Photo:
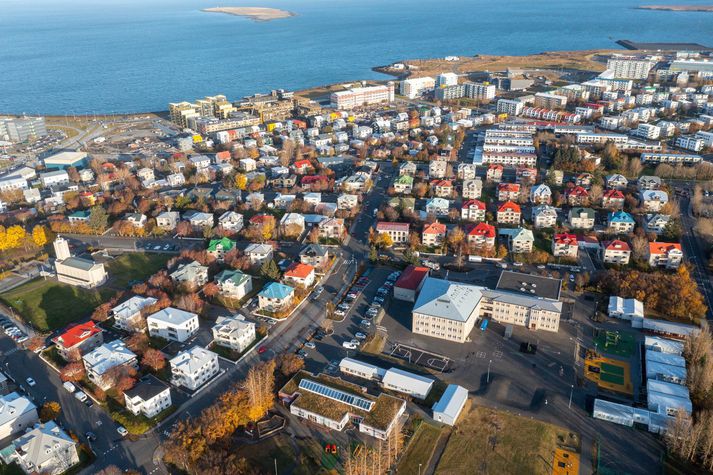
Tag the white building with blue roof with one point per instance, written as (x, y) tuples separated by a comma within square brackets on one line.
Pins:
[(449, 407), (275, 297)]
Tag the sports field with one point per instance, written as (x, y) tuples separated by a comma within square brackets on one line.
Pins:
[(608, 373), (618, 343)]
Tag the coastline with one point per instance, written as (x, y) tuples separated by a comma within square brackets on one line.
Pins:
[(254, 13), (677, 8)]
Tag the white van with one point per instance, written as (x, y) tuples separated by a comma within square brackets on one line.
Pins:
[(69, 386), (80, 395)]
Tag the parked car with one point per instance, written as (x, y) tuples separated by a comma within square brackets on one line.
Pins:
[(350, 346), (360, 336), (122, 431), (310, 345), (317, 292), (339, 312), (261, 350), (81, 396), (90, 436), (69, 386), (365, 323), (30, 382)]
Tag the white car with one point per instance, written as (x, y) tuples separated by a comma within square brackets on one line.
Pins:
[(30, 382), (69, 386), (365, 323), (122, 431), (310, 345), (80, 395), (360, 336), (349, 345)]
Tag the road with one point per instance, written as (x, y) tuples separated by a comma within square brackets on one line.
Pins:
[(285, 336)]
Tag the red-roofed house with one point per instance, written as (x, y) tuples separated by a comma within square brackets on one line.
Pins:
[(613, 199), (494, 173), (665, 254), (565, 245), (302, 166), (433, 234), (577, 196), (314, 182), (410, 282), (473, 210), (509, 213), (398, 232), (78, 340), (442, 188), (299, 274), (508, 191), (222, 157), (482, 235), (615, 252)]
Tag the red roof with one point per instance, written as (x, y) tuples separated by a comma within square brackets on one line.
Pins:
[(435, 228), (509, 205), (224, 155), (495, 166), (299, 271), (478, 204), (616, 245), (441, 183), (412, 277), (483, 229), (259, 218), (77, 334), (663, 247), (313, 179), (613, 195), (387, 226), (577, 191), (512, 187), (302, 164), (564, 238)]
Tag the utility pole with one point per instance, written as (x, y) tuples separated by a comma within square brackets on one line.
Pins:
[(275, 466), (488, 378), (570, 397)]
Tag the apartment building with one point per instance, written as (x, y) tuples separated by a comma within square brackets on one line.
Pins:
[(692, 143), (234, 332), (193, 368), (398, 232), (99, 362), (510, 107), (581, 218), (434, 234), (615, 252), (127, 315), (544, 216), (149, 397), (671, 158), (172, 324), (415, 87), (548, 100), (482, 235), (509, 213), (565, 245), (620, 222), (362, 96), (472, 189), (664, 254), (22, 129), (629, 67), (78, 340)]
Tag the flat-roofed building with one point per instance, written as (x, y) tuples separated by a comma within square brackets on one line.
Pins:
[(405, 382), (450, 405), (66, 159), (361, 369)]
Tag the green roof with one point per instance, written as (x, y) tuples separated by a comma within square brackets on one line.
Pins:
[(225, 243), (235, 276)]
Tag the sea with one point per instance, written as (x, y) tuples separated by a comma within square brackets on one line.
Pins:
[(111, 56)]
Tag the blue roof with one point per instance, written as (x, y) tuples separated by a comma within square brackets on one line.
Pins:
[(452, 400), (620, 217), (275, 290)]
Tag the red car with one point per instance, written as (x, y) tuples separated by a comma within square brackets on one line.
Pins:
[(261, 350)]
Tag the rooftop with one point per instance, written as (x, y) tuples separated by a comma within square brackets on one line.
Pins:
[(545, 287), (445, 299), (77, 334)]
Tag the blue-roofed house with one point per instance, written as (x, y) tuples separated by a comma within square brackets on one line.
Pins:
[(275, 297), (620, 222), (449, 407)]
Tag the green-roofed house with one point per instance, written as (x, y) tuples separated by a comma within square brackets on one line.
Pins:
[(77, 217), (234, 284), (403, 184), (219, 247)]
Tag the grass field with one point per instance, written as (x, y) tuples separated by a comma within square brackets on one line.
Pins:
[(134, 266), (304, 459), (624, 346), (493, 442), (420, 449), (49, 305)]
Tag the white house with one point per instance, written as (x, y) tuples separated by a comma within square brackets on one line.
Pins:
[(149, 397), (168, 219), (127, 315), (234, 284), (234, 332), (450, 405), (626, 309), (258, 253), (46, 450), (17, 413), (231, 221), (172, 324), (106, 357), (193, 368), (191, 273)]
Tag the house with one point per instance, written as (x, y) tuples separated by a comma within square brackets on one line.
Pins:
[(664, 254), (312, 199), (450, 405), (355, 183), (540, 194), (231, 221), (509, 213), (199, 220), (258, 253), (218, 248), (520, 240), (347, 201), (255, 200), (168, 220), (284, 180), (620, 222), (201, 162), (333, 403), (128, 315), (315, 182), (46, 450), (332, 228), (577, 196), (565, 245), (653, 200), (581, 218), (482, 235), (473, 210), (300, 275), (100, 363), (302, 167), (407, 168), (437, 207), (292, 221), (442, 188), (434, 234), (247, 164), (437, 168), (544, 216), (149, 397), (508, 191), (78, 340), (615, 252), (656, 223), (193, 368), (648, 182), (79, 217), (234, 284), (17, 413), (617, 182), (234, 332), (494, 173), (525, 175), (626, 309), (172, 324), (314, 255), (472, 189), (584, 180), (192, 274), (410, 282), (275, 297), (398, 232), (613, 199), (403, 184), (466, 171), (137, 220), (176, 180)]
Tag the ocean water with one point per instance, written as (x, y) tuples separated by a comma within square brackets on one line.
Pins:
[(87, 56)]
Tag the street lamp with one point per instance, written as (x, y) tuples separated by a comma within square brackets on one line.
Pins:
[(419, 469), (488, 378), (570, 397)]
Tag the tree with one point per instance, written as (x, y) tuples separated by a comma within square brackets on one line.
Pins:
[(49, 411), (241, 181), (39, 235), (73, 372), (259, 386), (328, 324), (153, 359), (290, 363), (211, 289), (270, 270), (138, 343), (384, 240), (98, 219)]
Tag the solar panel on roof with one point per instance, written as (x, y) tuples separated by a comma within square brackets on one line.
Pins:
[(337, 395)]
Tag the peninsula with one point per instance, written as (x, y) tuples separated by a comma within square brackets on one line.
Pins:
[(678, 8), (254, 13)]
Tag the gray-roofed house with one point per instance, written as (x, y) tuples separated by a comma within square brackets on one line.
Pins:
[(191, 273), (45, 449)]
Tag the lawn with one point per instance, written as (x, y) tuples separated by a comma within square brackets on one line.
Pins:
[(420, 449), (134, 266), (49, 305), (298, 457), (496, 442)]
